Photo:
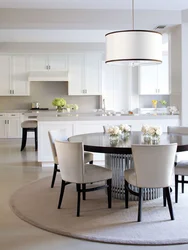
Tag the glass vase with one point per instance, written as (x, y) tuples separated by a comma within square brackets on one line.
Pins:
[(125, 135), (147, 139), (114, 139), (155, 139), (59, 109)]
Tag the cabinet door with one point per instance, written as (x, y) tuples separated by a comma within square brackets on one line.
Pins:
[(163, 77), (38, 63), (108, 85), (3, 131), (5, 75), (76, 74), (57, 62), (19, 76), (148, 76), (93, 73), (13, 128), (121, 89)]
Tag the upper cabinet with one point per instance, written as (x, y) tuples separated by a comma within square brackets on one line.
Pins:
[(5, 80), (19, 75), (48, 62), (115, 87), (13, 76), (85, 74), (154, 79)]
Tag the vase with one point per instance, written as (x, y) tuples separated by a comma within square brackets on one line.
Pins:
[(59, 109), (155, 139), (125, 135), (154, 105), (147, 138), (114, 139)]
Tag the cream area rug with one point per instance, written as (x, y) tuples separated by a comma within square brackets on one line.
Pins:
[(36, 204)]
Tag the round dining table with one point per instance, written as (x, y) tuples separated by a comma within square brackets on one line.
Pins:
[(118, 156)]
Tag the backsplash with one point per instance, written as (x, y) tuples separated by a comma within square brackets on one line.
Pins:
[(145, 101), (44, 93)]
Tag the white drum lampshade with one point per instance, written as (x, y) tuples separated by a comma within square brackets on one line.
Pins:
[(134, 47)]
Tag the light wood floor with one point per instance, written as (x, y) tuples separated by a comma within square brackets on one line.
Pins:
[(17, 169)]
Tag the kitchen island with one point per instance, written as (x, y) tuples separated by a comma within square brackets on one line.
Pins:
[(75, 123)]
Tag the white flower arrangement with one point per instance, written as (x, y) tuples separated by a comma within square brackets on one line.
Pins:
[(172, 109), (155, 131), (151, 130), (114, 130), (124, 128), (145, 129)]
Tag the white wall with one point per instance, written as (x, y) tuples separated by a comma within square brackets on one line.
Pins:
[(184, 51)]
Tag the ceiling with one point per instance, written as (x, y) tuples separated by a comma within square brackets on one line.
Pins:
[(79, 21), (96, 4)]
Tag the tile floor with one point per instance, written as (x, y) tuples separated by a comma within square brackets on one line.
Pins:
[(17, 169)]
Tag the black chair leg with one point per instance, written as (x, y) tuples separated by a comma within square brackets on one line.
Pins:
[(126, 195), (169, 203), (182, 184), (36, 139), (61, 193), (140, 204), (24, 138), (176, 188), (83, 192), (78, 199), (164, 197), (109, 191), (54, 175)]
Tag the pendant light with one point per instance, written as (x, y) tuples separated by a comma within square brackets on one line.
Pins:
[(133, 47)]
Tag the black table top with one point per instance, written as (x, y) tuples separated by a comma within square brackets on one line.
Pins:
[(100, 142)]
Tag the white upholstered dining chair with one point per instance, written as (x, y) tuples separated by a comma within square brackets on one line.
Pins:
[(153, 166), (181, 160), (73, 170), (59, 135)]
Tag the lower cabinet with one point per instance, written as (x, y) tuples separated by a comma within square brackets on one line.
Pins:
[(10, 125)]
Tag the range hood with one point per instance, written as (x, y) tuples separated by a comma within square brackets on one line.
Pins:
[(48, 76)]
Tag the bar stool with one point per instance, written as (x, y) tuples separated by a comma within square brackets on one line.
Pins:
[(28, 126)]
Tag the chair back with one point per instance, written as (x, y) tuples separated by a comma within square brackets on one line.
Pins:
[(54, 135), (177, 130), (154, 164), (71, 161)]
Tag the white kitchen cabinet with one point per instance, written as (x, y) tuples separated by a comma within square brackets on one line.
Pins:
[(5, 80), (13, 76), (76, 74), (115, 87), (10, 125), (85, 74), (154, 79), (2, 126), (48, 62), (19, 76), (93, 74)]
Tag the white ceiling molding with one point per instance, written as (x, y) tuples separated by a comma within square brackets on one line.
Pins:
[(73, 36), (82, 19), (102, 4)]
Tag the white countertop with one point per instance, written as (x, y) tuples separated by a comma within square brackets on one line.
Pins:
[(96, 117)]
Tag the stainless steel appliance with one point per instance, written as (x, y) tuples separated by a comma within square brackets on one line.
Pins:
[(35, 105)]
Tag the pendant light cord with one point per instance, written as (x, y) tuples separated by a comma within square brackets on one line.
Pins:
[(133, 14)]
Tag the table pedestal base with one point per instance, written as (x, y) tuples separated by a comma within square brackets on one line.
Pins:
[(118, 163)]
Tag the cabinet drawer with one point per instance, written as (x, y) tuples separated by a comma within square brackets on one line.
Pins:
[(2, 114)]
